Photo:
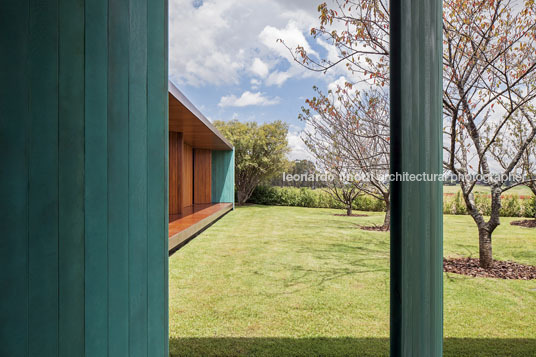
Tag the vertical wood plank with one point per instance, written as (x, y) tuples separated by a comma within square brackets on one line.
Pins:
[(71, 177), (43, 179), (96, 189), (175, 150), (157, 131), (187, 176), (202, 176), (416, 147), (137, 177), (14, 136), (118, 184)]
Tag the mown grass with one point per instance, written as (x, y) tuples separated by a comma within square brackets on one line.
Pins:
[(518, 190), (291, 281)]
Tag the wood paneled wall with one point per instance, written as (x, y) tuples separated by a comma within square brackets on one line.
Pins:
[(202, 176), (175, 172), (187, 176), (83, 198)]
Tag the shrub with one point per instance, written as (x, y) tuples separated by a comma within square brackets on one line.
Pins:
[(307, 197)]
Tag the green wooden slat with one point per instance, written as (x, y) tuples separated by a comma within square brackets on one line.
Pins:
[(137, 158), (118, 184), (96, 192), (14, 137), (222, 176), (43, 179), (157, 163), (416, 147), (71, 177)]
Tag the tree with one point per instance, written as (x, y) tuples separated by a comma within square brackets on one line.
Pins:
[(260, 152), (340, 183), (356, 125), (489, 64), (301, 168)]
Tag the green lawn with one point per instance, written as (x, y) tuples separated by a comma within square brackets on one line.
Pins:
[(289, 281), (518, 190)]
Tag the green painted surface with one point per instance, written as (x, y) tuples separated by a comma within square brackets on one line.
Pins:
[(157, 172), (223, 176), (96, 184), (14, 151), (83, 185), (416, 147), (43, 180)]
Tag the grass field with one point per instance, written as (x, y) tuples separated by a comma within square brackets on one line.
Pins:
[(518, 190), (289, 281)]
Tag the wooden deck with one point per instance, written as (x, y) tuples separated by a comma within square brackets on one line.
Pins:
[(193, 219)]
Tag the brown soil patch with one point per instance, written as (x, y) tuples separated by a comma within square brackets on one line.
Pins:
[(528, 223), (500, 269), (374, 228), (352, 215)]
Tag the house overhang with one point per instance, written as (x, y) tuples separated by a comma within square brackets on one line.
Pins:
[(196, 129)]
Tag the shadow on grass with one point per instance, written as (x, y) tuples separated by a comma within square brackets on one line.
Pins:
[(320, 346)]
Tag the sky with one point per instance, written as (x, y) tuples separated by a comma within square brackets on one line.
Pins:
[(225, 57)]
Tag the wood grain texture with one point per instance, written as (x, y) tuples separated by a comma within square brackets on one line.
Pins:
[(196, 133), (187, 176), (175, 172), (202, 176)]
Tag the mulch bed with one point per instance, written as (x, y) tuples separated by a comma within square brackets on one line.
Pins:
[(500, 269), (374, 228), (528, 223), (352, 215)]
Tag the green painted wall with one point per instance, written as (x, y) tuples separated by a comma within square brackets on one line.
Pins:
[(416, 147), (83, 178), (223, 176)]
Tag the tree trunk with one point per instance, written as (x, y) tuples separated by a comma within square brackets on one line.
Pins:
[(349, 210), (242, 197), (387, 218), (484, 245)]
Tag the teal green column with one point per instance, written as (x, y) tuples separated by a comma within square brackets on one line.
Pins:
[(416, 148), (83, 178), (223, 176)]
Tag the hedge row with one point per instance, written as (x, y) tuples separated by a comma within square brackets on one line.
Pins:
[(512, 206), (307, 197)]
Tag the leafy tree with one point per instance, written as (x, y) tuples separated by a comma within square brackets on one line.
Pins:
[(489, 65), (301, 168), (259, 152)]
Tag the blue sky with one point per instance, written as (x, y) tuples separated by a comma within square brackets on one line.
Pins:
[(224, 56)]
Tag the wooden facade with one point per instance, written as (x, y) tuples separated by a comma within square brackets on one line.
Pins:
[(201, 170), (83, 180)]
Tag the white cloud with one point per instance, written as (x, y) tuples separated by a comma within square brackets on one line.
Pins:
[(218, 42), (298, 149), (246, 99), (255, 83), (259, 68)]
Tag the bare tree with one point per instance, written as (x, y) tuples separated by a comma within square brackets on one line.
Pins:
[(357, 125), (489, 66), (322, 141)]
